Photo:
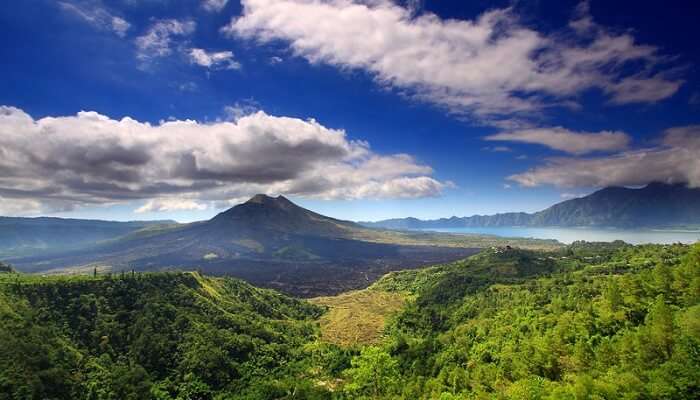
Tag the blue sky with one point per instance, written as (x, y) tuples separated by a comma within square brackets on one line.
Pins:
[(359, 110)]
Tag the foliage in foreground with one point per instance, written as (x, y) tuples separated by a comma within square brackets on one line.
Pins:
[(606, 322), (159, 336), (591, 321)]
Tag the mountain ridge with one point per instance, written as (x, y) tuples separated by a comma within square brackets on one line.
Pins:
[(656, 205)]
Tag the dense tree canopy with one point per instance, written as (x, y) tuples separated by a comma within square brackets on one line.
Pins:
[(164, 336), (599, 321), (593, 321)]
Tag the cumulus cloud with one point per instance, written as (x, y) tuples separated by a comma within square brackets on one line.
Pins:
[(170, 204), (675, 160), (214, 5), (240, 109), (213, 60), (95, 14), (158, 39), (487, 67), (19, 207), (562, 139), (90, 158)]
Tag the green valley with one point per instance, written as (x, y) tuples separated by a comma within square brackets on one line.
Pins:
[(591, 320)]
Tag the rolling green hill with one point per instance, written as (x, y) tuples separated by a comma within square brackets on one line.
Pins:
[(604, 321), (141, 336), (588, 321)]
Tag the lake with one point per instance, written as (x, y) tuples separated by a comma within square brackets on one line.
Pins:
[(568, 235)]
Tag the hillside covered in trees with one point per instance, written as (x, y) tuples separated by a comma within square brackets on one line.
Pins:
[(157, 336), (594, 321), (605, 321)]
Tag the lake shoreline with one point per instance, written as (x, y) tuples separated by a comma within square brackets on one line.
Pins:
[(568, 235)]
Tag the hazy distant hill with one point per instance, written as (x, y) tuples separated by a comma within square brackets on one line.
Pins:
[(655, 205), (31, 234)]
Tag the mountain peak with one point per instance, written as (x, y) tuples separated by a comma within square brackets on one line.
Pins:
[(265, 213), (269, 201), (263, 198), (259, 198), (262, 203)]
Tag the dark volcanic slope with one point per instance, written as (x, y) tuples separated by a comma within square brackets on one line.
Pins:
[(656, 205), (264, 213), (268, 241)]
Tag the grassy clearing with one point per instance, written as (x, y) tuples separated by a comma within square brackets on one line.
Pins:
[(358, 317)]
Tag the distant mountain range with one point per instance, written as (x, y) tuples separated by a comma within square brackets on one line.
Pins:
[(656, 205), (29, 235), (268, 241)]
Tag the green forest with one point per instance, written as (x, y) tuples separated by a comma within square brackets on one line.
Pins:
[(589, 321)]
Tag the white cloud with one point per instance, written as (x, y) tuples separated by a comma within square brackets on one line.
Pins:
[(487, 67), (90, 158), (214, 5), (392, 187), (170, 204), (94, 13), (158, 40), (213, 60), (498, 149), (562, 139), (240, 109), (674, 161), (120, 26), (568, 195), (23, 207), (642, 89)]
